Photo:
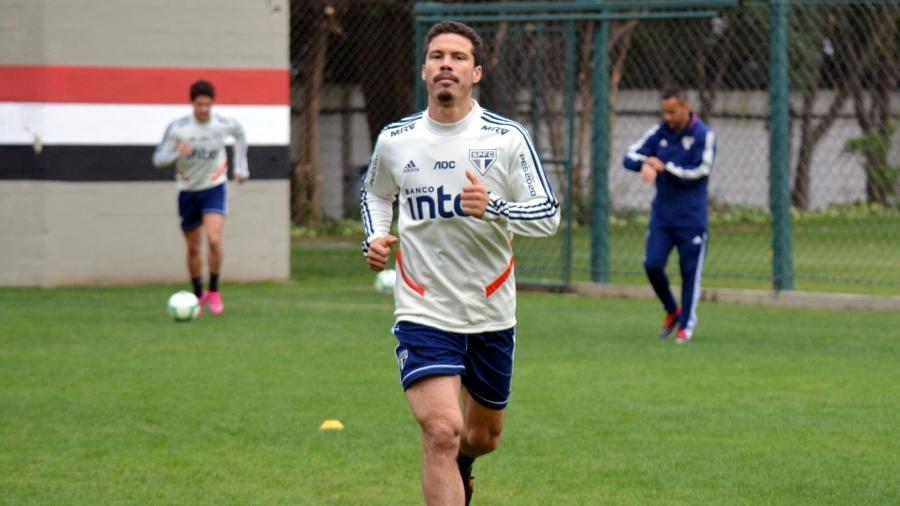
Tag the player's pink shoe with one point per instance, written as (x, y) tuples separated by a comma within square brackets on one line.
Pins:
[(215, 303), (682, 336), (202, 302)]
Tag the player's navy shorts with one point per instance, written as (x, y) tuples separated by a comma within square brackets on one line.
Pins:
[(193, 205), (484, 360)]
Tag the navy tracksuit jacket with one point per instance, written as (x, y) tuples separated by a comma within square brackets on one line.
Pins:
[(679, 216)]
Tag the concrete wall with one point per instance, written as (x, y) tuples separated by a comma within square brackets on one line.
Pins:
[(142, 33), (79, 201), (111, 233)]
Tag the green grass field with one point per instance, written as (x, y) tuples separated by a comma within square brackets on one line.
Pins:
[(104, 400), (851, 253)]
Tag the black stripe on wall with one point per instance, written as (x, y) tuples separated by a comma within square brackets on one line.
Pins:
[(120, 163)]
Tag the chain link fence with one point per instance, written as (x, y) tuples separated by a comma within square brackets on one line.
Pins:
[(844, 108), (352, 73), (354, 70)]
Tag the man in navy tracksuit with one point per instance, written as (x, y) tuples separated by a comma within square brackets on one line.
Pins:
[(677, 155)]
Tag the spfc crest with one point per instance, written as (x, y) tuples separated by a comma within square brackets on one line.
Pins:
[(482, 159)]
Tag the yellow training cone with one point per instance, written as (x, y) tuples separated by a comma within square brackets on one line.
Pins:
[(331, 425)]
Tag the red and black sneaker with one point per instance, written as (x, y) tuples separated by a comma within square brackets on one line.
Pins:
[(669, 323)]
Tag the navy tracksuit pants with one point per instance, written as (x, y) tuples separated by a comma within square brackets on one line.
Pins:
[(691, 244)]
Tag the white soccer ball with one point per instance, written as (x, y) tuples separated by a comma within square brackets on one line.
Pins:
[(385, 280), (183, 306)]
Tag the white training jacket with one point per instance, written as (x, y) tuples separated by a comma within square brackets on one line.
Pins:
[(207, 165), (455, 272)]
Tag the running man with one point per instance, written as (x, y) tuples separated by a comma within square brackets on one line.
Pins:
[(467, 180), (195, 145)]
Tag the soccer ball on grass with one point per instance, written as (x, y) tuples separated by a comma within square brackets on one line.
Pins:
[(183, 306), (384, 281)]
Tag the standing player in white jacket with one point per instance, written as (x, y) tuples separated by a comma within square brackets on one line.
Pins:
[(195, 145), (467, 180)]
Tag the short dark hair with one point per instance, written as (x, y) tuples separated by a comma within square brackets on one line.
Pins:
[(459, 29), (202, 87), (676, 93)]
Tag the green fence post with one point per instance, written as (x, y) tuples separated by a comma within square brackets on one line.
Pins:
[(571, 64), (600, 157), (780, 146)]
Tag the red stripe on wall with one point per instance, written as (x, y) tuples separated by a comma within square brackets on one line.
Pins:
[(119, 85)]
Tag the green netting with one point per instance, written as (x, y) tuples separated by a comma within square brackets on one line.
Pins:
[(355, 70)]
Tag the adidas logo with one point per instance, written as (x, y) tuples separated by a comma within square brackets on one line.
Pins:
[(410, 167)]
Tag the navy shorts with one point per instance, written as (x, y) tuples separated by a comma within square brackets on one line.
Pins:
[(484, 360), (193, 205)]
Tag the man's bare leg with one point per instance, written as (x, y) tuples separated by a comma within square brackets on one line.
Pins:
[(193, 238), (214, 223), (434, 403)]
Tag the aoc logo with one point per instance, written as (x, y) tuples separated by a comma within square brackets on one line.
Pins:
[(482, 159), (433, 205), (444, 165)]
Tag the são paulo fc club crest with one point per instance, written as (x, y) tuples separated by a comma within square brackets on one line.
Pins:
[(482, 159)]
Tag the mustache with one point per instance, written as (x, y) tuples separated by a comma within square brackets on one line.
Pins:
[(446, 75)]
